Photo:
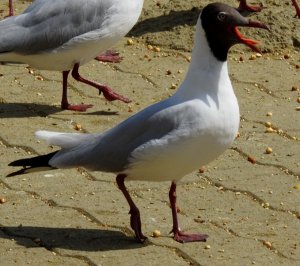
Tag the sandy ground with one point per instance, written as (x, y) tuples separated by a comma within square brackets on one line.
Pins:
[(74, 217)]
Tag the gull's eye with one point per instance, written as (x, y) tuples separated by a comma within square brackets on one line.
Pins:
[(221, 16)]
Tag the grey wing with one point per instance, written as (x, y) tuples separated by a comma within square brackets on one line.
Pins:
[(45, 24), (111, 150)]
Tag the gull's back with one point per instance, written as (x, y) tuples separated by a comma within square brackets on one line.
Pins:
[(53, 34)]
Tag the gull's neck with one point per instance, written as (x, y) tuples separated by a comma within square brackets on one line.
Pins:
[(206, 72), (202, 55)]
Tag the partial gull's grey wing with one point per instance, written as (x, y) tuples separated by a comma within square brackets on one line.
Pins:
[(45, 24), (111, 150)]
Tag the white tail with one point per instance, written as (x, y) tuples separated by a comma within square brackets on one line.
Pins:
[(63, 140)]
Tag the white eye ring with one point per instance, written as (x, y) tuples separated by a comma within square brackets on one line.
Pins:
[(221, 16)]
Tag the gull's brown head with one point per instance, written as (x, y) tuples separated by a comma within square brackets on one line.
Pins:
[(220, 23)]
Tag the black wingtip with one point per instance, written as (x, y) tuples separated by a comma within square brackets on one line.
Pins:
[(17, 163), (38, 163), (20, 172)]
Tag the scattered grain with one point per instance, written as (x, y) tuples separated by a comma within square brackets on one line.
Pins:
[(156, 233), (78, 127), (173, 86), (268, 244), (251, 159), (201, 170), (156, 49), (269, 150), (130, 42), (269, 130), (268, 124), (297, 186), (150, 47), (2, 200)]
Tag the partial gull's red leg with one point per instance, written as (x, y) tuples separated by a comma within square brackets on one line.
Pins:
[(295, 4), (11, 9), (108, 93), (64, 101), (135, 220), (109, 56), (245, 7), (179, 235)]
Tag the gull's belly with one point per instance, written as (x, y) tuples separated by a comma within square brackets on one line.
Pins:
[(173, 161), (62, 58)]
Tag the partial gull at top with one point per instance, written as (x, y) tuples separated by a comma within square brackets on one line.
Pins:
[(61, 35), (174, 137)]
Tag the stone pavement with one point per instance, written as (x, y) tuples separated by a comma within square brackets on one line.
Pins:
[(75, 217)]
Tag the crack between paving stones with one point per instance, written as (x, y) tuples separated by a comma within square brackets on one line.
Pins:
[(233, 233), (179, 253), (278, 131), (282, 168), (117, 68), (27, 149), (247, 193), (261, 87)]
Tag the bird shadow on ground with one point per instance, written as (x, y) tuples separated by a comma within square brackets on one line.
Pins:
[(20, 110), (166, 22), (70, 238)]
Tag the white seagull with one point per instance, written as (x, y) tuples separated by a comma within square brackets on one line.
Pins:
[(61, 35), (172, 138)]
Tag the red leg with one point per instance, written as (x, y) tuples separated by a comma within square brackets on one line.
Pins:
[(109, 94), (110, 56), (179, 235), (245, 7), (11, 9), (295, 4), (64, 101), (135, 220)]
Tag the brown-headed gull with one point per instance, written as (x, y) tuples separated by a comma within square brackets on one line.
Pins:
[(61, 35), (172, 138)]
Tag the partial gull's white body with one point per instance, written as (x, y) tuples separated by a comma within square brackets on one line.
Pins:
[(166, 140), (57, 34)]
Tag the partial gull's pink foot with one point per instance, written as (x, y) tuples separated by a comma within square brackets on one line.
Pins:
[(109, 56), (76, 107), (183, 237), (108, 93), (295, 4), (245, 7), (180, 236)]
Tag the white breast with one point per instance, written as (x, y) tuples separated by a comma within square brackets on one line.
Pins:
[(195, 143)]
